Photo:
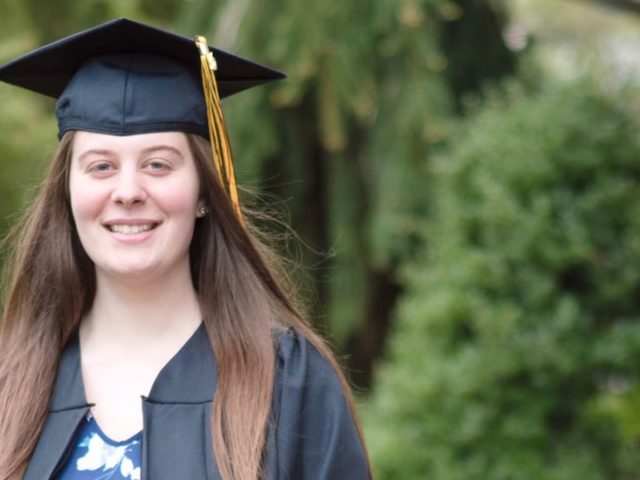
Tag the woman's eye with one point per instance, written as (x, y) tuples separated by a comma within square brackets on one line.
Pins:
[(100, 167), (157, 166)]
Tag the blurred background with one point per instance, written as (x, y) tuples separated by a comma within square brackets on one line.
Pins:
[(464, 177)]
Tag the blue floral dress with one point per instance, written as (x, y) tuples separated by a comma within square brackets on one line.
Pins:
[(97, 457)]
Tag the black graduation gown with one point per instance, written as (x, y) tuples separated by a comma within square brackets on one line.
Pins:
[(311, 435)]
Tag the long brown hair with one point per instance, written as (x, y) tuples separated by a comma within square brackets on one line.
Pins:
[(240, 289)]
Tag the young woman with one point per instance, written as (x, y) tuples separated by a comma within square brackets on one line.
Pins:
[(147, 332)]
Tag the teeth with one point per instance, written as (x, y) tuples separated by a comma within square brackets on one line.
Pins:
[(130, 229)]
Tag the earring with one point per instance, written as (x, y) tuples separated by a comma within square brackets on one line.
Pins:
[(202, 211)]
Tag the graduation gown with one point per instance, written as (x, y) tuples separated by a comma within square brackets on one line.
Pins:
[(311, 433)]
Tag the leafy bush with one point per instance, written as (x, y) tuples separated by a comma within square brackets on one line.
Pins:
[(516, 348), (27, 144)]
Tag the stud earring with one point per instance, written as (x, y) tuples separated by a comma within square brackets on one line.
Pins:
[(202, 211)]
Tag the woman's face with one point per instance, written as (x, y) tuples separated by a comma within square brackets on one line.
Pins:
[(134, 200)]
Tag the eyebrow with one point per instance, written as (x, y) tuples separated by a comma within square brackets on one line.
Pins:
[(146, 151), (94, 151), (156, 148)]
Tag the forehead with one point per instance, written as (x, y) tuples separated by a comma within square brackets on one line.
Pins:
[(86, 141)]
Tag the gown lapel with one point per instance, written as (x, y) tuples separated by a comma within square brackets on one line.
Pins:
[(177, 415), (68, 407)]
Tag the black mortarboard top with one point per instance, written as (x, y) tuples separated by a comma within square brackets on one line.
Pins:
[(124, 77)]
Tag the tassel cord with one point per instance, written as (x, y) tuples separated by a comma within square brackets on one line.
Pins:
[(223, 159)]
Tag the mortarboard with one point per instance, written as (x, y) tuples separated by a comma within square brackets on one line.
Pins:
[(123, 77)]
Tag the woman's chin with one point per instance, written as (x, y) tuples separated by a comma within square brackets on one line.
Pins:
[(130, 272)]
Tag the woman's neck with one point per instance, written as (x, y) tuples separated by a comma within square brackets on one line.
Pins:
[(129, 312)]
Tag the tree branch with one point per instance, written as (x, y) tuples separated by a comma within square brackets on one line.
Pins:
[(630, 6), (229, 23)]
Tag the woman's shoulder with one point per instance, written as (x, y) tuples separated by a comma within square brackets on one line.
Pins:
[(315, 433), (308, 381), (299, 362)]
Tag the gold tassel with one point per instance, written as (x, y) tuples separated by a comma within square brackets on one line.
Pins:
[(222, 158)]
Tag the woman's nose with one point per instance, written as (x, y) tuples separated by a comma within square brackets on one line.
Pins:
[(129, 189)]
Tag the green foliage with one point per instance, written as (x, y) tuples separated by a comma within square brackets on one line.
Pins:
[(515, 351), (28, 140), (347, 135)]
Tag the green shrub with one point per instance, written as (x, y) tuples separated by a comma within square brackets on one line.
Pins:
[(516, 349), (27, 144)]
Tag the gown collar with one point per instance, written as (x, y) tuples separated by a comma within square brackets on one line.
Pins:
[(189, 377)]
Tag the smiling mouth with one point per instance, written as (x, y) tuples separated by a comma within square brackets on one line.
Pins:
[(132, 229)]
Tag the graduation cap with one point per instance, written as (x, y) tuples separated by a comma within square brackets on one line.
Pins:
[(125, 78)]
